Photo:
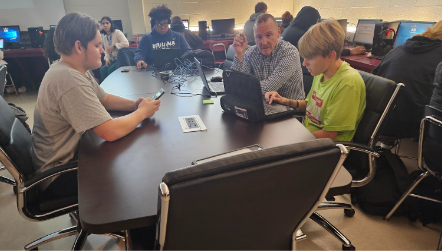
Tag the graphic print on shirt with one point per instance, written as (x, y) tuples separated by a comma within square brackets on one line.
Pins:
[(163, 45), (313, 110)]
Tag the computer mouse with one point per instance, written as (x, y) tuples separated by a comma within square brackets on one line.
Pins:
[(216, 79)]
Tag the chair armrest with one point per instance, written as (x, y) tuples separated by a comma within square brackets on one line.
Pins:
[(360, 148), (40, 177)]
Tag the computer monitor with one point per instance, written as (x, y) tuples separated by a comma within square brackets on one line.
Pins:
[(408, 29), (1, 43), (365, 31), (186, 23), (343, 24), (223, 26), (10, 35), (118, 24), (52, 26), (278, 21)]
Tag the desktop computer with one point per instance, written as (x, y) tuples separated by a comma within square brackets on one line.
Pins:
[(408, 29), (365, 32), (186, 23), (202, 30), (118, 24), (384, 34), (223, 28), (10, 36), (37, 36)]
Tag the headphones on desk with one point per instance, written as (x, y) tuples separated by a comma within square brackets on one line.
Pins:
[(383, 46)]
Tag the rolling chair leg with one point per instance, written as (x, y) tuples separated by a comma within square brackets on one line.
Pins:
[(348, 209), (81, 239), (346, 244), (12, 83), (405, 195), (7, 180), (52, 237)]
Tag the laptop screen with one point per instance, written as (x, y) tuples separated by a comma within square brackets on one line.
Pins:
[(1, 43), (201, 73), (407, 30)]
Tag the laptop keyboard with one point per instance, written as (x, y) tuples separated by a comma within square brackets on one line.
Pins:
[(269, 110), (217, 87)]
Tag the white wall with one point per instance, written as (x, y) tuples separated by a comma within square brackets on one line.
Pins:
[(136, 10), (388, 10), (115, 9), (31, 13)]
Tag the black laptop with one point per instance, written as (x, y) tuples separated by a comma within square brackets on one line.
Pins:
[(164, 59), (215, 88), (244, 98)]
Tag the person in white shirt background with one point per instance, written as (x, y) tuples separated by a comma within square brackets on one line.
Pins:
[(112, 40)]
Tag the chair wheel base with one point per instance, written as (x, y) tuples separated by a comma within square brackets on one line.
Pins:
[(349, 248), (349, 212)]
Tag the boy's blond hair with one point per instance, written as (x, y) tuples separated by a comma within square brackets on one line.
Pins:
[(322, 39)]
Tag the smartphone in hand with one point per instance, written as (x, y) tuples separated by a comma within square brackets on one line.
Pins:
[(157, 95)]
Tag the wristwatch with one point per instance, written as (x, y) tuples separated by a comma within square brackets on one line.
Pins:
[(115, 47)]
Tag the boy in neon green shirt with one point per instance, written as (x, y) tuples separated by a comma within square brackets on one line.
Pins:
[(336, 101)]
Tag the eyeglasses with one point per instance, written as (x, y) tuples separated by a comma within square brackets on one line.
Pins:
[(162, 24)]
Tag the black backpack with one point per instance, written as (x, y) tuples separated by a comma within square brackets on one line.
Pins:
[(389, 183)]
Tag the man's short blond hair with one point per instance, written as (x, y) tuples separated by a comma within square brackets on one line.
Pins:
[(322, 39)]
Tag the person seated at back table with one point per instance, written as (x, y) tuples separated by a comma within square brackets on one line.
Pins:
[(161, 37), (287, 19), (71, 102), (193, 40), (273, 61), (260, 8), (413, 63), (113, 40), (305, 18), (336, 102)]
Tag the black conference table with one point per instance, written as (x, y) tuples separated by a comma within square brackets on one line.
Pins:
[(118, 181)]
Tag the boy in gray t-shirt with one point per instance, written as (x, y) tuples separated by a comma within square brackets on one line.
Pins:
[(70, 102)]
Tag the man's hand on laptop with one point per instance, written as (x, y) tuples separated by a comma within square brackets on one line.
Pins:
[(274, 96), (240, 46), (141, 64)]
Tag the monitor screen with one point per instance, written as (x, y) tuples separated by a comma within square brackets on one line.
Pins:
[(10, 34), (365, 31), (118, 24), (1, 43), (408, 29), (343, 24), (279, 21), (186, 23), (52, 26), (223, 26)]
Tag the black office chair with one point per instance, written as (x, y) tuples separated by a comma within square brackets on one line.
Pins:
[(429, 154), (2, 80), (229, 58), (252, 201), (381, 94), (125, 57), (32, 203), (307, 78)]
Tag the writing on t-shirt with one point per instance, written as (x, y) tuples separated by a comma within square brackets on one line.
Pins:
[(313, 110), (163, 45)]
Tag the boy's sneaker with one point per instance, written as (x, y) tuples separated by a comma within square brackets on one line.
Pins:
[(9, 90), (21, 90)]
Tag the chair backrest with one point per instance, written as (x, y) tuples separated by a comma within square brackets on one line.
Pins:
[(229, 57), (125, 57), (430, 110), (2, 80), (381, 94), (252, 201), (430, 145), (15, 141)]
